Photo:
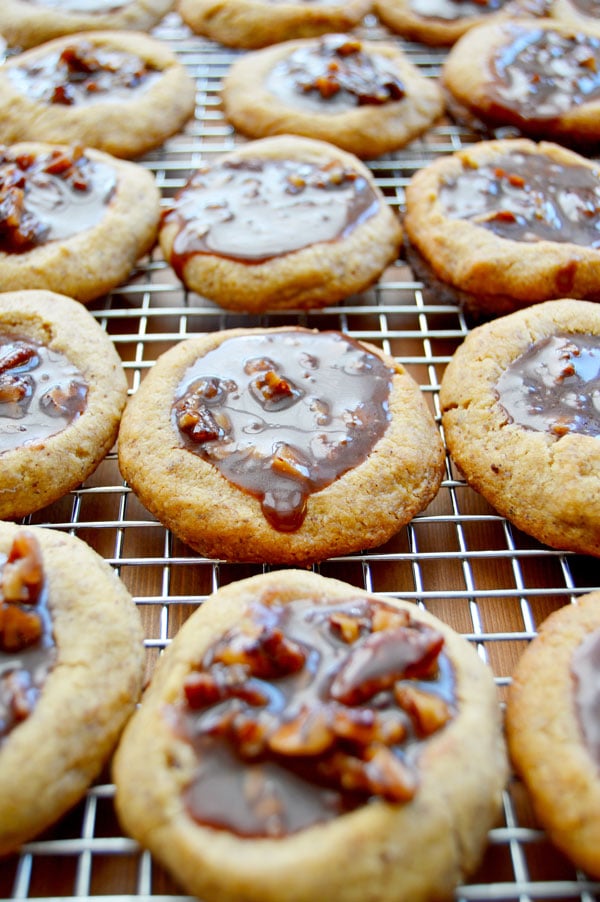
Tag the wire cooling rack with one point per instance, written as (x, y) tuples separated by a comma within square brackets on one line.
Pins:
[(458, 559)]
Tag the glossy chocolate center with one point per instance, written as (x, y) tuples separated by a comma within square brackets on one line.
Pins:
[(41, 393), (334, 74), (283, 415), (27, 649), (82, 74), (540, 74), (253, 210), (307, 710), (585, 665), (555, 386), (527, 197), (50, 196)]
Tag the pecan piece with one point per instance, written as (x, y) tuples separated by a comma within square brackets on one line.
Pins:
[(23, 574), (18, 628), (308, 734), (267, 653), (428, 712)]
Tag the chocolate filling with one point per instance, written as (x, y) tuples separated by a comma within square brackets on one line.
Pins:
[(283, 415), (585, 666), (307, 710)]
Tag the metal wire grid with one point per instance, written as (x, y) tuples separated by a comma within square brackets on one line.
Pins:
[(458, 559)]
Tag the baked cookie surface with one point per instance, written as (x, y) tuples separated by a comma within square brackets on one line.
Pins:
[(71, 656), (364, 96), (120, 92), (252, 24), (284, 446), (506, 224), (443, 22), (539, 77), (62, 391), (552, 728), (25, 23), (72, 220), (242, 815), (279, 223), (520, 421)]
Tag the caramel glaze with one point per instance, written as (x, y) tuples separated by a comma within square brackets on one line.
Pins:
[(455, 9), (83, 6), (41, 392), (334, 74), (585, 666), (527, 197), (283, 415), (27, 648), (253, 210), (82, 74), (538, 75), (308, 710), (555, 386)]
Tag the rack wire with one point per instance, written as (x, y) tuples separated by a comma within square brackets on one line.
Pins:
[(459, 558)]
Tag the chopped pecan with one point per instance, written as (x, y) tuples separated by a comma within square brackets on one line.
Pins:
[(23, 574), (309, 733), (427, 711), (19, 628), (272, 391), (267, 653)]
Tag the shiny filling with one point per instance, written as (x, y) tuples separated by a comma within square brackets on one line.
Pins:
[(41, 393), (540, 74), (81, 73), (283, 415), (527, 197), (555, 386), (309, 709), (83, 6), (334, 74), (27, 649), (588, 7), (585, 666), (454, 9), (255, 209), (50, 196)]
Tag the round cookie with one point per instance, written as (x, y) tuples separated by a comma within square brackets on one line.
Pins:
[(62, 391), (539, 77), (364, 96), (279, 223), (251, 24), (72, 220), (280, 446), (552, 728), (25, 23), (520, 419), (121, 92), (505, 224), (409, 824), (71, 656), (441, 23)]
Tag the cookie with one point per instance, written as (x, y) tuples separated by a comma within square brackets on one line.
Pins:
[(553, 728), (280, 445), (62, 391), (25, 23), (72, 220), (279, 223), (121, 92), (521, 421), (260, 768), (71, 663), (364, 96), (505, 224), (575, 11), (440, 23), (251, 24), (537, 77)]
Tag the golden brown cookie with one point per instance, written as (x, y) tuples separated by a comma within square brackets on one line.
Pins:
[(521, 419), (279, 223), (62, 391), (258, 23), (72, 220), (121, 92), (284, 446), (364, 96), (505, 224), (258, 767), (25, 23), (553, 728), (443, 22), (539, 77), (71, 663)]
